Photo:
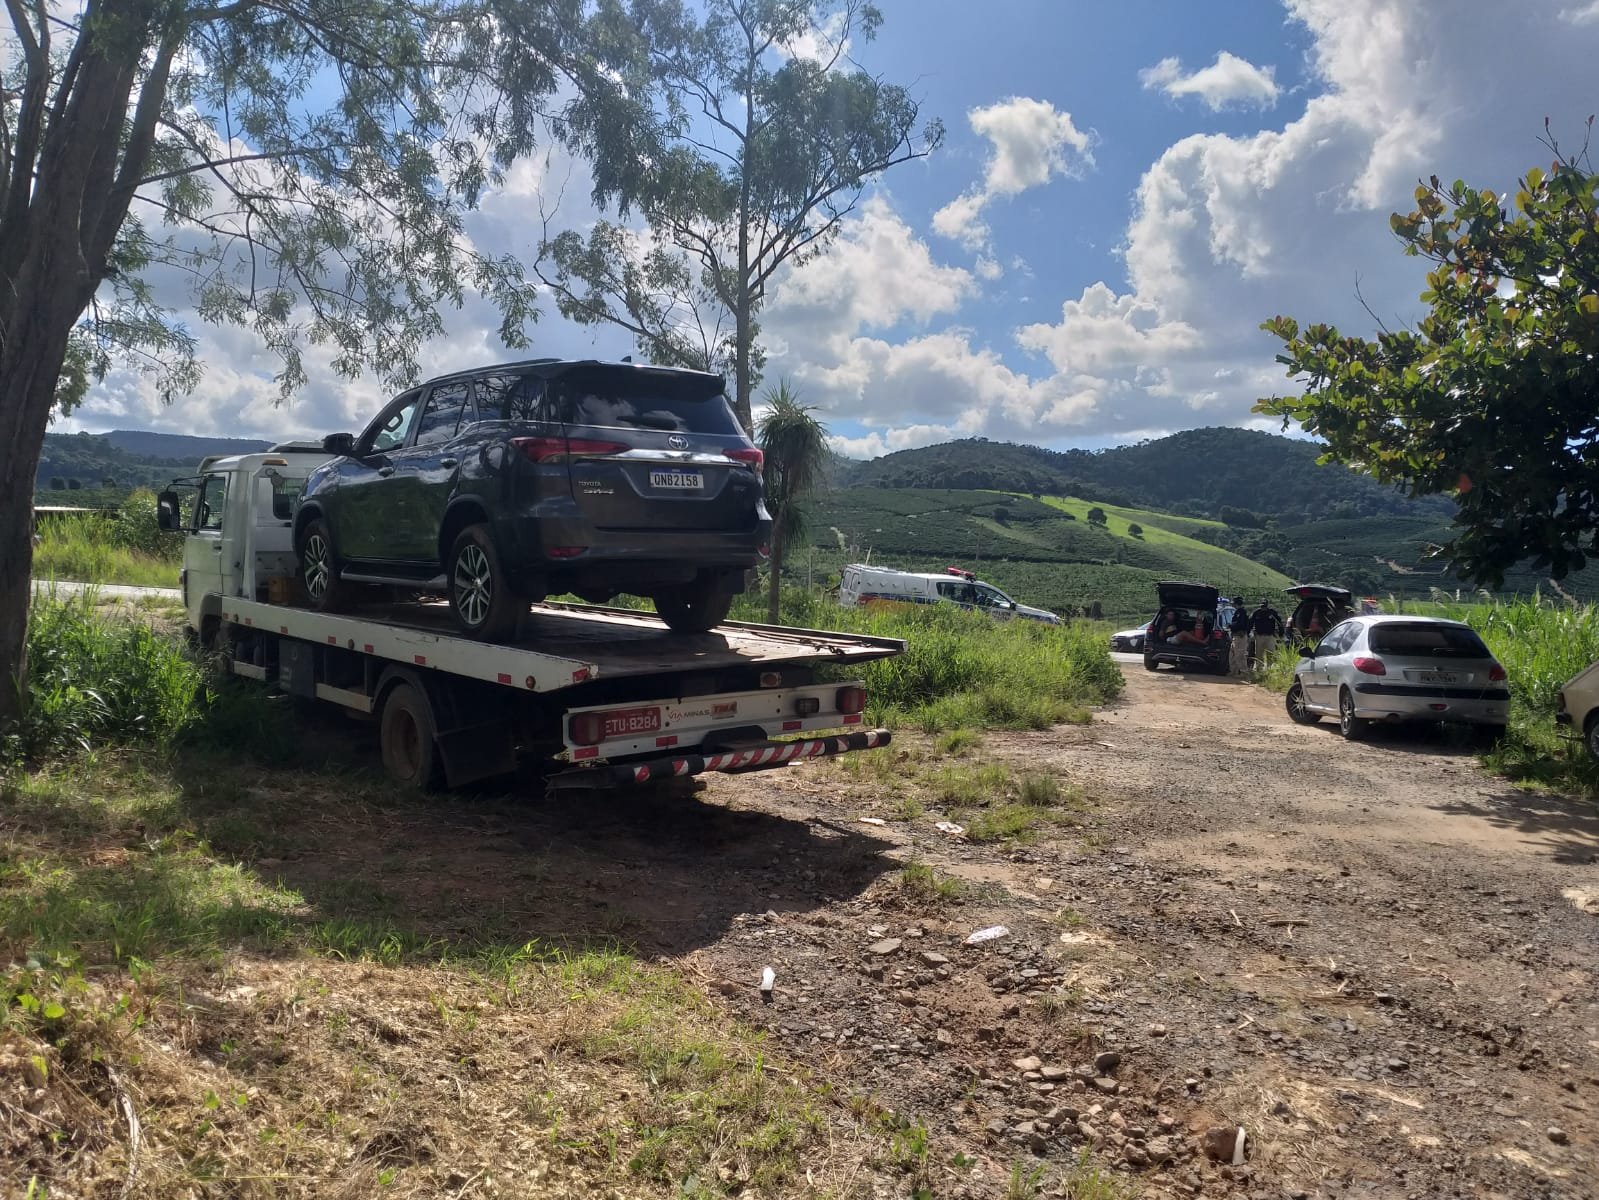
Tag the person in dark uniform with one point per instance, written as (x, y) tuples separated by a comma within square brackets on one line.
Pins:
[(1265, 627)]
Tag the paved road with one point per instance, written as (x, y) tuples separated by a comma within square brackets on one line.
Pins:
[(109, 591)]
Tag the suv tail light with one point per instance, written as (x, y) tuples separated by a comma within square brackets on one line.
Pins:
[(750, 456), (560, 449), (851, 700), (1497, 674), (1370, 666)]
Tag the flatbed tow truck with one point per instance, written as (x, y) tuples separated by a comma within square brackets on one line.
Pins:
[(594, 697)]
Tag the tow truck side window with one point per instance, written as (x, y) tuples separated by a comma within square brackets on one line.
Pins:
[(209, 503)]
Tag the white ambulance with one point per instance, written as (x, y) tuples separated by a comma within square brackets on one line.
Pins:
[(862, 584)]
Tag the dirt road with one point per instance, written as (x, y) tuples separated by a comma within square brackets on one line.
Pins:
[(1374, 959), (1377, 960)]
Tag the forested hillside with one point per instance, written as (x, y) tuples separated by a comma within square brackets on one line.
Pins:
[(1220, 473)]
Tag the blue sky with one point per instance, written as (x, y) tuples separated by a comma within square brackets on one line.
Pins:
[(1125, 192)]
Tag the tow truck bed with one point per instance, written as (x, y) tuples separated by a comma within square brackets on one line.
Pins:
[(563, 644)]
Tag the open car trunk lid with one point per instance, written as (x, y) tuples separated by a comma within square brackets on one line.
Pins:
[(1179, 594)]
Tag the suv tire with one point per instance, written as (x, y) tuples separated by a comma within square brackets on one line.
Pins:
[(1295, 703), (319, 569), (1352, 727), (485, 605), (1150, 664), (694, 607)]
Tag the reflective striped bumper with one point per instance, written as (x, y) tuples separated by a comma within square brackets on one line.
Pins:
[(680, 766)]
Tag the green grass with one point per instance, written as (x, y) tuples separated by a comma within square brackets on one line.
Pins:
[(922, 882), (963, 670), (125, 548), (101, 677)]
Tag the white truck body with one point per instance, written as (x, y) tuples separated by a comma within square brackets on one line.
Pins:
[(602, 696), (863, 584)]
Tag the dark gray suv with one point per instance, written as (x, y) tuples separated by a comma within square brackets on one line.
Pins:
[(504, 485)]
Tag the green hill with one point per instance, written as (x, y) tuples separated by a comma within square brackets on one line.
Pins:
[(1199, 472), (1042, 551)]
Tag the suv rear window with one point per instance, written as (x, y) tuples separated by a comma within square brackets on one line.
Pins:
[(633, 400), (1427, 641)]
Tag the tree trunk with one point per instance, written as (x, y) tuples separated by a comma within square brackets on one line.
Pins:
[(741, 370), (23, 419), (774, 592), (51, 275)]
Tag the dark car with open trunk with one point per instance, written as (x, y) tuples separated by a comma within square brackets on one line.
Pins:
[(1187, 632), (506, 484)]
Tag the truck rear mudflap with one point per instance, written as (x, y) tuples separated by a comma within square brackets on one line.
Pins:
[(747, 758)]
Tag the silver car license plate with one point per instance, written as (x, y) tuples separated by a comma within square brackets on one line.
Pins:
[(681, 480), (1436, 677)]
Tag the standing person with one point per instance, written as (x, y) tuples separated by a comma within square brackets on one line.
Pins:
[(1238, 649), (1266, 624)]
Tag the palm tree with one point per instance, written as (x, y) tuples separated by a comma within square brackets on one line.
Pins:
[(795, 444)]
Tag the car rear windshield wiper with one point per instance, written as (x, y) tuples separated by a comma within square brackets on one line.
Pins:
[(665, 424)]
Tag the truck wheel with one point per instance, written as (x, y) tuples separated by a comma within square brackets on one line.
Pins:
[(694, 607), (319, 569), (485, 605), (407, 737)]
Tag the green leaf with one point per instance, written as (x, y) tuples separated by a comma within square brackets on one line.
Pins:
[(1589, 305), (53, 1011)]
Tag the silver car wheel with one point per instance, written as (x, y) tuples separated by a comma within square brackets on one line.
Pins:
[(317, 567), (1348, 724), (474, 584)]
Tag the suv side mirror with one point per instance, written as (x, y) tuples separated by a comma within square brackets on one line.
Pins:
[(168, 514), (342, 444), (1307, 652)]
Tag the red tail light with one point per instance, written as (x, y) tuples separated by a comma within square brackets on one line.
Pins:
[(851, 700), (564, 551), (1497, 674), (587, 729), (748, 455), (764, 551), (1370, 666), (554, 449)]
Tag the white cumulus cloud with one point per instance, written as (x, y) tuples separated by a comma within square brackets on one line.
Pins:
[(1030, 143), (1229, 80)]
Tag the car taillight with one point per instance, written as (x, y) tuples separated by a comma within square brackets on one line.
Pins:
[(1370, 666), (750, 456), (552, 449), (1497, 674), (587, 729), (851, 700)]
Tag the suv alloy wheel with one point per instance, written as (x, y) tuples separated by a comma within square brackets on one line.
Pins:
[(484, 603)]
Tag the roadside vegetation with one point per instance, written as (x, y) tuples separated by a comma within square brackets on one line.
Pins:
[(964, 670), (125, 547)]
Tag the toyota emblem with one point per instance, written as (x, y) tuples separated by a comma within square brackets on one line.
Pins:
[(677, 442)]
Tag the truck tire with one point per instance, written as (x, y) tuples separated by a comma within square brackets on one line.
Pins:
[(319, 569), (484, 603), (694, 607), (407, 737)]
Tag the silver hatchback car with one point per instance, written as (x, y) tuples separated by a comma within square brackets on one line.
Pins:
[(1395, 668)]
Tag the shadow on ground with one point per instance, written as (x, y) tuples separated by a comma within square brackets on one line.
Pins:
[(661, 871), (1568, 830)]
